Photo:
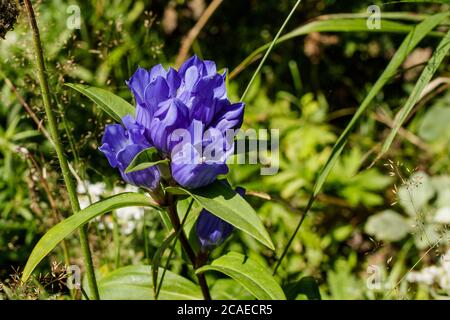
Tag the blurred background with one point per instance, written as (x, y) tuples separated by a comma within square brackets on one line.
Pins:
[(378, 232)]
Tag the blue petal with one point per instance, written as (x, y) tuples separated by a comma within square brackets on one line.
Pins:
[(171, 115), (144, 117), (147, 178), (156, 92), (137, 83), (191, 77), (210, 67), (197, 175), (114, 139), (174, 82), (135, 131), (211, 230), (229, 117), (157, 71), (120, 146), (192, 61)]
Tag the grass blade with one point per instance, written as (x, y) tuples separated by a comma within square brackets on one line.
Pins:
[(431, 68), (272, 44), (332, 23)]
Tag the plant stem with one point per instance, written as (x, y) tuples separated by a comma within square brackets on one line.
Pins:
[(116, 240), (196, 262), (172, 250), (42, 76)]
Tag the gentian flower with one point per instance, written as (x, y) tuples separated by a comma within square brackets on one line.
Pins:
[(185, 113), (211, 230), (121, 144)]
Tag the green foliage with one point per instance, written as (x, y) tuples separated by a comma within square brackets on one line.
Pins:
[(335, 90), (145, 159), (69, 225), (225, 203), (135, 283), (250, 274), (113, 105)]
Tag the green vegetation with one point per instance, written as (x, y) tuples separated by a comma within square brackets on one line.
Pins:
[(358, 209)]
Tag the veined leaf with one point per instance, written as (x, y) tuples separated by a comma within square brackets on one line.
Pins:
[(145, 159), (58, 232), (135, 283), (113, 105), (226, 204), (249, 273), (433, 64)]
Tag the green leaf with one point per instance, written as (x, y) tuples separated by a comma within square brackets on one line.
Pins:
[(113, 105), (416, 193), (58, 232), (228, 289), (249, 273), (433, 64), (435, 125), (226, 204), (145, 159), (135, 283), (387, 225)]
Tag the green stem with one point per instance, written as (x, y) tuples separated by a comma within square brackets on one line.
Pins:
[(175, 220), (172, 250), (42, 75), (116, 239)]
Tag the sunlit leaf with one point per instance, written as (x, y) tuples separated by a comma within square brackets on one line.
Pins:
[(135, 283), (249, 273), (113, 105), (58, 232), (145, 159), (225, 203)]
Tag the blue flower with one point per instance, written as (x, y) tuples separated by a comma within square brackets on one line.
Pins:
[(120, 145), (211, 230), (185, 113)]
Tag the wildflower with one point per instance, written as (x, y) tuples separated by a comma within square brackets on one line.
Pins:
[(190, 102), (121, 144)]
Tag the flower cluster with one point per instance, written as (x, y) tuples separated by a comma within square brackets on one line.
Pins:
[(186, 116)]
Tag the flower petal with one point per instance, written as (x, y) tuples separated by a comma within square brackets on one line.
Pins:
[(114, 139), (137, 83)]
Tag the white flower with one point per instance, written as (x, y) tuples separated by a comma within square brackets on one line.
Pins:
[(437, 274)]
